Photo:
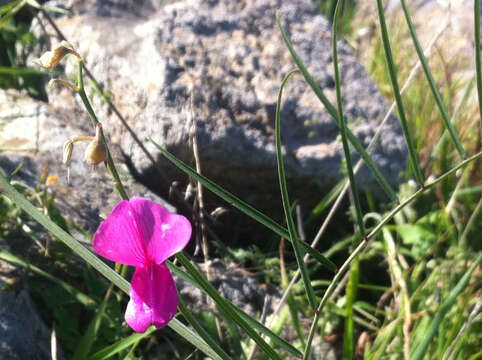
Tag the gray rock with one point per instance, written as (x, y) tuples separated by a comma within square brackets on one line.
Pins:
[(22, 333), (232, 56), (235, 284)]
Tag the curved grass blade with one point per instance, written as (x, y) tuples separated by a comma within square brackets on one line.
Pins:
[(242, 206), (478, 62), (251, 321), (398, 98), (420, 351), (203, 333), (431, 81), (343, 127), (94, 261), (113, 349), (224, 305), (332, 110), (286, 202)]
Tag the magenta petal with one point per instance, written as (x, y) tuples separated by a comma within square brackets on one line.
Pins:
[(119, 239), (164, 233), (153, 298)]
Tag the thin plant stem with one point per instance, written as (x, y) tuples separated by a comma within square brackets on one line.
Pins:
[(478, 65), (396, 91), (431, 81), (343, 126), (110, 163)]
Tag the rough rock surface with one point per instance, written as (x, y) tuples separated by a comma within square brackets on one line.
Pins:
[(236, 285), (232, 56), (22, 333)]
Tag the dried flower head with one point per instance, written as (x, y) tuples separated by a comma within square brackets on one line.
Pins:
[(96, 151), (50, 59)]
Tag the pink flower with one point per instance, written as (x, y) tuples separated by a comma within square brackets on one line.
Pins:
[(143, 234)]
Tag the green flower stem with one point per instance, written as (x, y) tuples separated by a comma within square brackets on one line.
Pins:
[(343, 126), (295, 241), (370, 236), (478, 65), (431, 81), (398, 97), (110, 163)]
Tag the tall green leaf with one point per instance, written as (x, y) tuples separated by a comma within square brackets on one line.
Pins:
[(398, 97), (431, 81), (286, 202)]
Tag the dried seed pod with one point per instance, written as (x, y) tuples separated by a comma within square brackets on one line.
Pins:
[(50, 59), (96, 151)]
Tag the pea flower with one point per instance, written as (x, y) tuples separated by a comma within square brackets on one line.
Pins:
[(144, 234)]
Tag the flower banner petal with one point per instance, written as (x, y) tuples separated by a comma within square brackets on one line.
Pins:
[(153, 298), (164, 233), (119, 239)]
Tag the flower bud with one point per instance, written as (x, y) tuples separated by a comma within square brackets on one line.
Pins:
[(67, 154), (50, 59), (96, 151)]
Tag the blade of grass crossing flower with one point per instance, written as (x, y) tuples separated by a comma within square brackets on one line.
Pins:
[(200, 330), (447, 304), (286, 202), (241, 205), (332, 110), (224, 305), (351, 290), (343, 127), (398, 98), (95, 262), (478, 62), (121, 345), (431, 81), (251, 321)]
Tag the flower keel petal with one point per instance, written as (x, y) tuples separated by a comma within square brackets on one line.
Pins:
[(153, 298)]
